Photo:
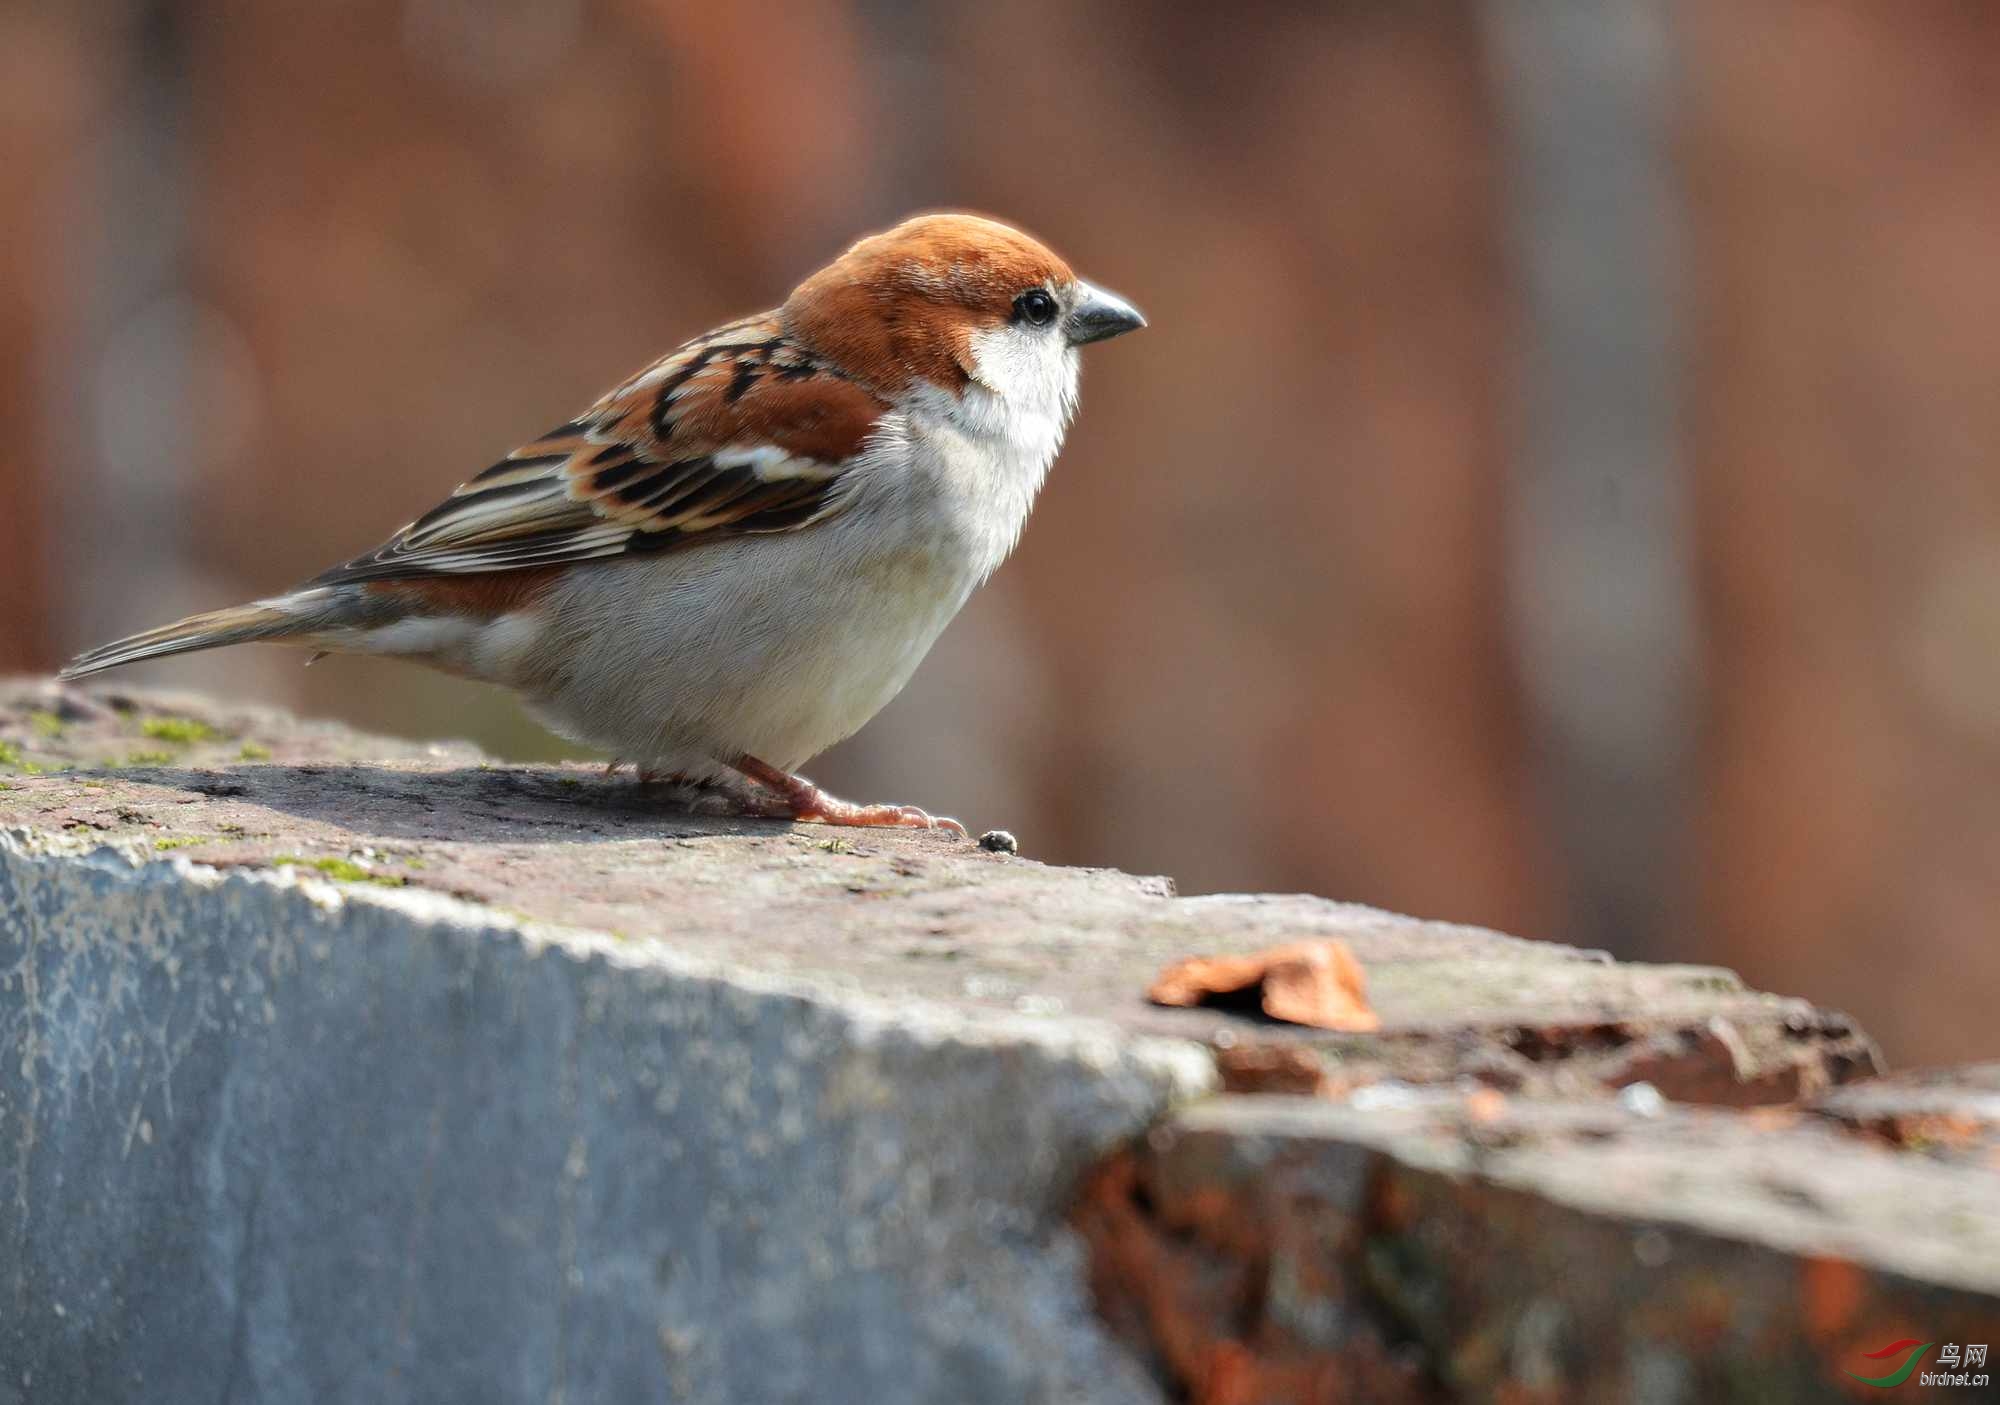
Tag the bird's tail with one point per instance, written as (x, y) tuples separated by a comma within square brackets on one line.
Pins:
[(289, 617)]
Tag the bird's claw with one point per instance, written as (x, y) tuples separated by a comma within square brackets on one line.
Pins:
[(828, 810), (803, 801)]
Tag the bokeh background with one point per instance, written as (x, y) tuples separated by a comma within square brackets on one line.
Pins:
[(1560, 489)]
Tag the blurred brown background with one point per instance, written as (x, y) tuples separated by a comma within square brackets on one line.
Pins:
[(1560, 489)]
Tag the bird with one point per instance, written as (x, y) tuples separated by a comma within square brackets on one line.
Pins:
[(735, 558)]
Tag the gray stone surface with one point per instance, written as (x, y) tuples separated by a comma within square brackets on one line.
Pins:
[(272, 1141)]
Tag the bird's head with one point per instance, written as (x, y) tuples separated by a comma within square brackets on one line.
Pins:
[(960, 304)]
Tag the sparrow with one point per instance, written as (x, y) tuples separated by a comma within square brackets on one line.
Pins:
[(737, 557)]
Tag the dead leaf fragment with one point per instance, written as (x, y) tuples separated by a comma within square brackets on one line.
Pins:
[(1314, 983)]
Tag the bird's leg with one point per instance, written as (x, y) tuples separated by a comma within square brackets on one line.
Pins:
[(800, 799)]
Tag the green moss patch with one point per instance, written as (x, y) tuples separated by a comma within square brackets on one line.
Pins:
[(340, 870), (180, 731)]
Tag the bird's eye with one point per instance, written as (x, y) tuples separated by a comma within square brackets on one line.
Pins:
[(1035, 307)]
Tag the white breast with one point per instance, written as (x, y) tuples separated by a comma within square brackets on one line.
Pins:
[(984, 452)]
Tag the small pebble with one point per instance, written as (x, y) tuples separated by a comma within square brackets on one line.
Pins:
[(999, 841)]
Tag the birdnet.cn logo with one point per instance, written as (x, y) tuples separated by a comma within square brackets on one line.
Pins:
[(1956, 1364)]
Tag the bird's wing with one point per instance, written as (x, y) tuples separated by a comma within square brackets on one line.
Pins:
[(740, 431)]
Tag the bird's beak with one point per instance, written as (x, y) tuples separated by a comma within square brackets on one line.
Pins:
[(1099, 315)]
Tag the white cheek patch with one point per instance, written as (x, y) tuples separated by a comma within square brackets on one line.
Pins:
[(1032, 369), (1022, 394)]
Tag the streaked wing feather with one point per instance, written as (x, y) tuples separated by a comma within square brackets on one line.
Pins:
[(737, 432)]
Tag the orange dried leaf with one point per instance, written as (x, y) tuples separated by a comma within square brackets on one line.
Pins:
[(1315, 983)]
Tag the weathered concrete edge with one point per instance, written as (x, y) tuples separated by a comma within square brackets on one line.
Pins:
[(919, 1160), (1534, 1250), (1184, 1068), (1798, 1200)]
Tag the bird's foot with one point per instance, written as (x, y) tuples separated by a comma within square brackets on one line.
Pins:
[(830, 809), (796, 798)]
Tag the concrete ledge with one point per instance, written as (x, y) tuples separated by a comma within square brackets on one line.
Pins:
[(319, 1142), (339, 1069)]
